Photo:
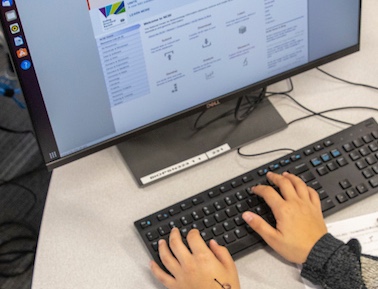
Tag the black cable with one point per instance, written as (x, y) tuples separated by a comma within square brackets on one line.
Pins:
[(264, 153), (346, 81), (291, 89), (335, 109), (313, 113), (253, 103)]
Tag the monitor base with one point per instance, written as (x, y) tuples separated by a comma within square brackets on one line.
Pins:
[(178, 146)]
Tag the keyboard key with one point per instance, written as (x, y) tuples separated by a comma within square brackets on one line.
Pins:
[(358, 143), (231, 212), (247, 178), (198, 200), (208, 210), (197, 215), (240, 233), (228, 226), (199, 226), (355, 156), (219, 205), (327, 204), (175, 224), (164, 230), (307, 177), (342, 198), (332, 166), (316, 162), (322, 194), (229, 238), (367, 139), (153, 235), (213, 194), (301, 168), (318, 147), (217, 230), (335, 153), (220, 216), (209, 221), (371, 160), (325, 157), (175, 210), (342, 162), (225, 188), (241, 195), (345, 184), (145, 224), (162, 216), (362, 188), (236, 183), (186, 220), (186, 205), (230, 200), (323, 170), (368, 173), (348, 147), (374, 181), (352, 193)]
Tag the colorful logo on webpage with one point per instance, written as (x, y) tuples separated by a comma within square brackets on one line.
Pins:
[(114, 9)]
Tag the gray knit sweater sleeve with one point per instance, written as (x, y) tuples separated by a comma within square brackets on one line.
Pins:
[(336, 265)]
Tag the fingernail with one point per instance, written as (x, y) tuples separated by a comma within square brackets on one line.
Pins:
[(247, 216)]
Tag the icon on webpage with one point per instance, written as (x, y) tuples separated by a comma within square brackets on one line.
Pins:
[(7, 3), (25, 65), (22, 52), (11, 15), (14, 28), (18, 41)]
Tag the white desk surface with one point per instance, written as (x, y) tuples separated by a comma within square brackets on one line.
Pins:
[(88, 239)]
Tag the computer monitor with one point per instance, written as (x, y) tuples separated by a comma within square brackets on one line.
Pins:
[(135, 73)]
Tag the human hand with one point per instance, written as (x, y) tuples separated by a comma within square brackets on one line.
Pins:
[(298, 216), (201, 267)]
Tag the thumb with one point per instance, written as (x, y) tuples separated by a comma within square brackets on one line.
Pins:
[(260, 226)]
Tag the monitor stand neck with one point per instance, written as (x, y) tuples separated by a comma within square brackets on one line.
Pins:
[(177, 146)]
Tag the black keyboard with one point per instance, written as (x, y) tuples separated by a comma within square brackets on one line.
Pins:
[(342, 168)]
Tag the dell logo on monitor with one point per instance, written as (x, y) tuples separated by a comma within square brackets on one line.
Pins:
[(213, 104)]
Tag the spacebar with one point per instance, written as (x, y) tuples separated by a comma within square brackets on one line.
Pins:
[(243, 243)]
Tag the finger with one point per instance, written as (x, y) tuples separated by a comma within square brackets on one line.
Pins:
[(196, 243), (222, 254), (270, 196), (261, 227), (166, 257), (177, 246), (284, 184), (299, 185), (314, 198), (164, 278)]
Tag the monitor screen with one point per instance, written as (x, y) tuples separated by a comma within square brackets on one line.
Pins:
[(95, 72)]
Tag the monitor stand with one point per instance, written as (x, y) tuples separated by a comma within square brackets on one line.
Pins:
[(177, 146)]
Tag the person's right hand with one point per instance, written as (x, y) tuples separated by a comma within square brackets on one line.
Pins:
[(298, 215)]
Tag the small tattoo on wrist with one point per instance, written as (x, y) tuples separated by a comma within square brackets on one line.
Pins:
[(224, 286)]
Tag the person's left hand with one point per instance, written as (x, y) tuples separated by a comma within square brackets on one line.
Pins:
[(199, 267)]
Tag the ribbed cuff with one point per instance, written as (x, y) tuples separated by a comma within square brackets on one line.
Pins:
[(319, 255)]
